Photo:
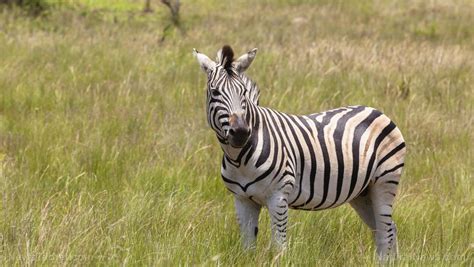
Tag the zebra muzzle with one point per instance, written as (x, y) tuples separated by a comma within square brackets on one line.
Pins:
[(239, 131)]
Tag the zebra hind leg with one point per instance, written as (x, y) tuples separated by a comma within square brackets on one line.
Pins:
[(363, 206), (382, 194)]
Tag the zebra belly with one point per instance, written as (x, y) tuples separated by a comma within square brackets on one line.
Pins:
[(317, 199)]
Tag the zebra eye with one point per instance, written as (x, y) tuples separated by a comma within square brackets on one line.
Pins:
[(215, 93)]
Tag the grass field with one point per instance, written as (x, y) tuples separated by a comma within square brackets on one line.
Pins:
[(106, 157)]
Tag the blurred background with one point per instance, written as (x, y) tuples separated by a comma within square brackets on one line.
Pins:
[(105, 153)]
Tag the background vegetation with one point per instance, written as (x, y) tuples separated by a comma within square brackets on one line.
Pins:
[(106, 157)]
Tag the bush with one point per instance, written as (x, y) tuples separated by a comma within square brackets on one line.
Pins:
[(33, 6)]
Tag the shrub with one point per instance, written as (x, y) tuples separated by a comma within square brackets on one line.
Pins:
[(33, 6)]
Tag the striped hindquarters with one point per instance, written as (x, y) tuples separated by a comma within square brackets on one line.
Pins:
[(337, 153)]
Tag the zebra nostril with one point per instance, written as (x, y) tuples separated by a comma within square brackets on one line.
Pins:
[(238, 136), (239, 132)]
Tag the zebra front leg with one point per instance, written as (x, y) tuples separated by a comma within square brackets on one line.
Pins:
[(247, 214), (278, 209)]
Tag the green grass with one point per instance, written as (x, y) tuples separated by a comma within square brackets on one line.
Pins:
[(106, 157)]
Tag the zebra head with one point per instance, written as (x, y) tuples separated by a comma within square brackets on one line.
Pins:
[(229, 91)]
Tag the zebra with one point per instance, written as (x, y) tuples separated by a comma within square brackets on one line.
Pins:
[(271, 159)]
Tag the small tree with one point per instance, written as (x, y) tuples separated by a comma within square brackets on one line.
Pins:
[(173, 6), (174, 9), (175, 20), (147, 7)]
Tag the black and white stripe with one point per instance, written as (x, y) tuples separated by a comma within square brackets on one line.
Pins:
[(352, 154)]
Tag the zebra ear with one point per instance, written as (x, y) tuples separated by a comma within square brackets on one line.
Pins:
[(243, 62), (204, 61)]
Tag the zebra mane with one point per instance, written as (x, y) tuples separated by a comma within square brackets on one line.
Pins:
[(253, 93), (226, 57)]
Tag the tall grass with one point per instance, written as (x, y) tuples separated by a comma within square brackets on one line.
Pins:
[(106, 157)]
